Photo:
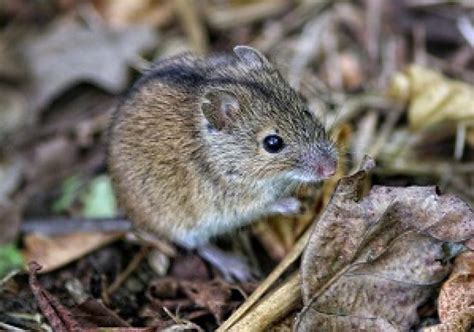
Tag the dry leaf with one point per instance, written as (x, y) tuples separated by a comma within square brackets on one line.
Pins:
[(351, 71), (432, 98), (94, 314), (70, 52), (10, 220), (128, 12), (59, 317), (456, 299), (371, 261), (56, 251), (13, 111), (214, 296)]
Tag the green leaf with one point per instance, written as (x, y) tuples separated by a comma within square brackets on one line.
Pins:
[(10, 259), (70, 191), (99, 200)]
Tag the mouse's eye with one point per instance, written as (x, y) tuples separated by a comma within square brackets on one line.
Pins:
[(273, 143)]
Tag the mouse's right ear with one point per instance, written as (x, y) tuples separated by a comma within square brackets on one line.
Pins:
[(219, 108)]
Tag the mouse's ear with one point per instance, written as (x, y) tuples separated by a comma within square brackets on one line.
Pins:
[(219, 108), (252, 57)]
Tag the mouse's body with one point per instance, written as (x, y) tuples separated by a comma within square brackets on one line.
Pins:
[(201, 146)]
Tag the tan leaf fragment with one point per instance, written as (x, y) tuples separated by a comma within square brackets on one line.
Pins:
[(372, 261), (456, 299), (432, 97), (53, 252)]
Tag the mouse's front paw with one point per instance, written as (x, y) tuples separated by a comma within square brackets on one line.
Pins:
[(286, 206)]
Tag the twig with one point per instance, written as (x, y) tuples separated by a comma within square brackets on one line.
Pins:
[(460, 141), (374, 11), (309, 45), (191, 21), (289, 23), (291, 257), (62, 226), (273, 308), (385, 132), (245, 14), (132, 266)]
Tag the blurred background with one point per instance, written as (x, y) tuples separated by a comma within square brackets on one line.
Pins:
[(393, 79)]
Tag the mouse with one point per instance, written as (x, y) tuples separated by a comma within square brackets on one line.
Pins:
[(203, 145)]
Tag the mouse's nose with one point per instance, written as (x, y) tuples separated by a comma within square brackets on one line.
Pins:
[(326, 168)]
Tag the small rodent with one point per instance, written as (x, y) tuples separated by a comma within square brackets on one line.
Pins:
[(203, 145)]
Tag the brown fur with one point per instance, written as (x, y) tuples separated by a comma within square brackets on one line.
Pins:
[(177, 176)]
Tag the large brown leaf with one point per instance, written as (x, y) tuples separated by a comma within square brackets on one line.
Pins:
[(371, 261), (71, 52)]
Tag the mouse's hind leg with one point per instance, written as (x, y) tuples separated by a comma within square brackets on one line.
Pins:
[(230, 265)]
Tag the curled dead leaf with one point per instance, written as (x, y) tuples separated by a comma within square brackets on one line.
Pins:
[(456, 299), (60, 318), (372, 260), (432, 98)]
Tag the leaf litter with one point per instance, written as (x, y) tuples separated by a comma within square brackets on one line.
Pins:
[(54, 119)]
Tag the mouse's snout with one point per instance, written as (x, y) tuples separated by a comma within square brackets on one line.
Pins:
[(326, 167), (317, 163)]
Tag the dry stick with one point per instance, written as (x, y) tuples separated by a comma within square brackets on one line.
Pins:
[(61, 226), (290, 23), (364, 135), (385, 132), (273, 308), (238, 16), (374, 17), (128, 270), (309, 45), (429, 3), (190, 19), (294, 253)]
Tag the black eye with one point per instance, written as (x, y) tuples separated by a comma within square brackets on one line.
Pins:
[(273, 143)]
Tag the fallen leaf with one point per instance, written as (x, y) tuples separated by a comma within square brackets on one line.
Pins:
[(59, 317), (457, 293), (50, 157), (11, 172), (69, 192), (214, 296), (10, 221), (432, 98), (126, 12), (99, 199), (53, 252), (189, 267), (70, 52), (63, 319), (11, 67), (93, 313), (456, 299), (372, 260), (351, 71), (10, 259), (13, 111)]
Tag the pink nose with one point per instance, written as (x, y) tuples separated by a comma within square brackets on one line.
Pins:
[(327, 169)]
